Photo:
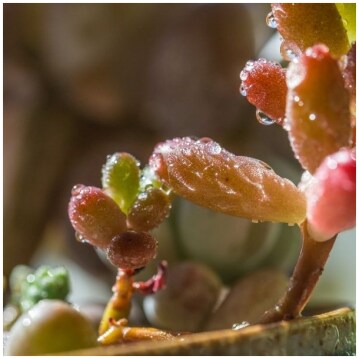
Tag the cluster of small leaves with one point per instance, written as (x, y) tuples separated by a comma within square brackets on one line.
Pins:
[(318, 91), (29, 286), (313, 100), (118, 217)]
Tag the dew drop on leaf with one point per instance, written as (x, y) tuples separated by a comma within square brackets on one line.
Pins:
[(243, 75), (243, 90), (263, 119), (249, 65), (76, 189), (287, 53), (286, 125), (214, 148), (271, 22)]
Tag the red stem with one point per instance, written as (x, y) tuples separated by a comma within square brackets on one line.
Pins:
[(307, 271)]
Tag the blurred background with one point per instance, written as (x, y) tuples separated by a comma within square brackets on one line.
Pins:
[(84, 81)]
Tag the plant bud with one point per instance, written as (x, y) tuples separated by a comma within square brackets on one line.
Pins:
[(121, 179)]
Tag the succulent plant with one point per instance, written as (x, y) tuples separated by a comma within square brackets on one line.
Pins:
[(313, 99)]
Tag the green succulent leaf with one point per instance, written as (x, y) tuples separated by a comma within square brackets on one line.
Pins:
[(121, 179), (29, 287), (348, 12)]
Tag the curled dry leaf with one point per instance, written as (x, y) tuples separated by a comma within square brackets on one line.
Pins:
[(331, 196), (206, 174), (304, 25), (317, 113), (95, 216), (263, 82)]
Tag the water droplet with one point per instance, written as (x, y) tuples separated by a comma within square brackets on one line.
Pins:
[(262, 60), (243, 75), (26, 322), (30, 278), (238, 326), (291, 224), (77, 189), (286, 125), (298, 101), (79, 237), (343, 62), (214, 148), (263, 119), (255, 221), (345, 22), (249, 65), (242, 90), (312, 117), (287, 53), (186, 151), (332, 164), (280, 121), (270, 20)]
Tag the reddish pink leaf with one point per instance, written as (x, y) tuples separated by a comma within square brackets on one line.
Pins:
[(331, 196), (95, 216), (318, 117), (263, 82)]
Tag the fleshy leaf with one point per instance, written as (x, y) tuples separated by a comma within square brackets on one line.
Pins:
[(263, 82), (132, 250), (208, 175), (304, 25), (317, 113), (348, 14), (121, 179), (95, 216), (149, 210), (331, 196)]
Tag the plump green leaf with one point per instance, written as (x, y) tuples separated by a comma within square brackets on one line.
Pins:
[(348, 14), (121, 179)]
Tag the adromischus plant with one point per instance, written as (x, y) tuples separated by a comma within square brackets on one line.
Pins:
[(313, 100)]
